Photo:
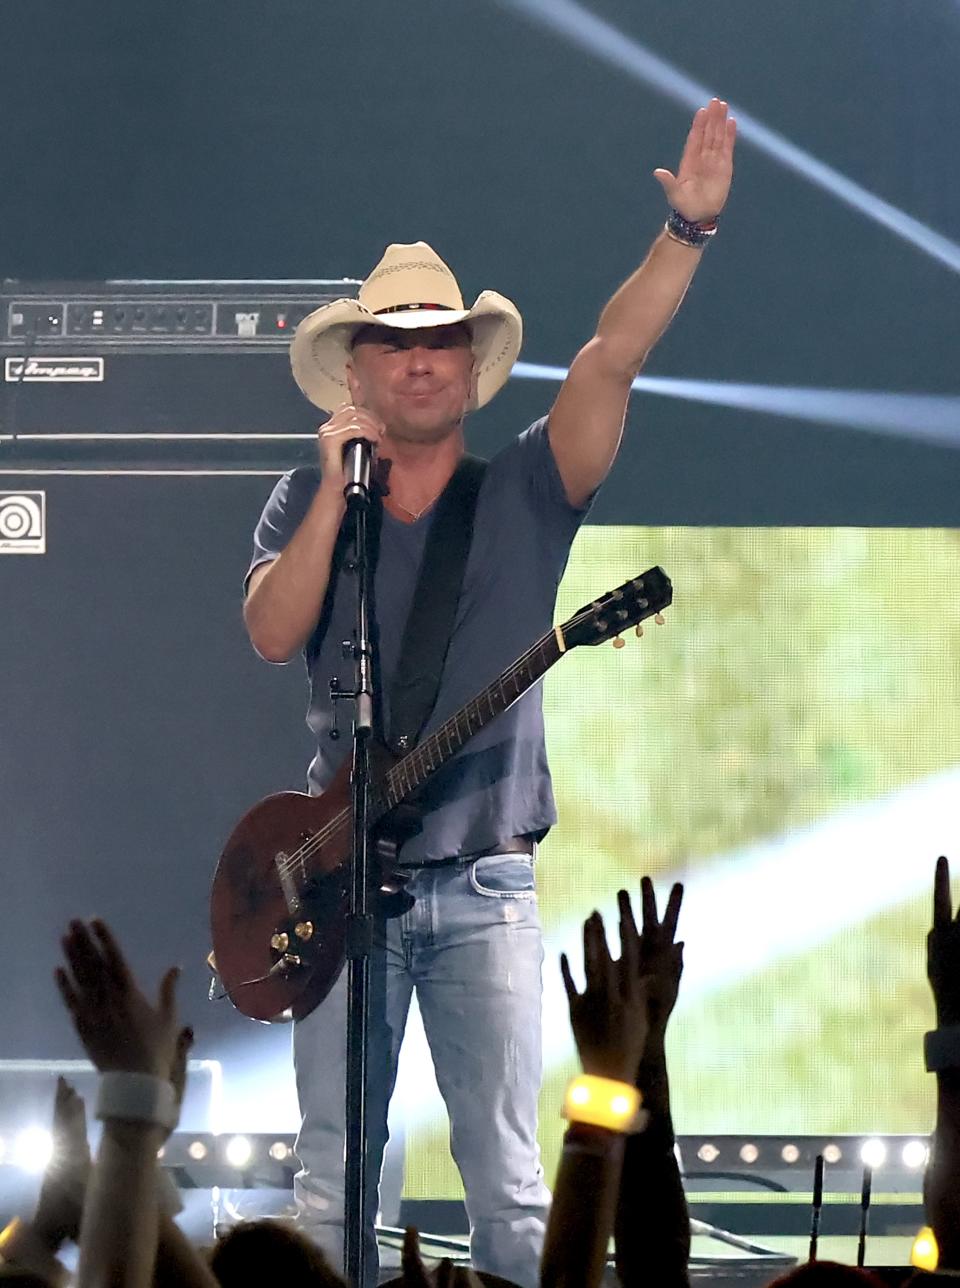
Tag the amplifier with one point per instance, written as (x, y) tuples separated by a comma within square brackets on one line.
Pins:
[(148, 370)]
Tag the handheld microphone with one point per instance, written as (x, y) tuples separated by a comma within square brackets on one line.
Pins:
[(357, 457)]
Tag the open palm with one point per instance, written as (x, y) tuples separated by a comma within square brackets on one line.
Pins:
[(700, 187)]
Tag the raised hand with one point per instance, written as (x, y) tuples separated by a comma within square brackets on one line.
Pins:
[(447, 1275), (653, 952), (60, 1205), (609, 1018), (943, 950), (119, 1028), (700, 187)]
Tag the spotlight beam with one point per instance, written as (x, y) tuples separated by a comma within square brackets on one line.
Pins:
[(580, 27), (933, 418)]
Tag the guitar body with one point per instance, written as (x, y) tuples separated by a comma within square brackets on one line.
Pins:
[(260, 894), (279, 901)]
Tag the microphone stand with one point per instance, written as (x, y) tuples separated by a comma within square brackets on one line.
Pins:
[(360, 921)]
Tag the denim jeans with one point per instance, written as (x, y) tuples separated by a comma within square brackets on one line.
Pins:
[(471, 946)]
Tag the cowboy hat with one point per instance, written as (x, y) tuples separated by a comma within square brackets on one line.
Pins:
[(411, 287)]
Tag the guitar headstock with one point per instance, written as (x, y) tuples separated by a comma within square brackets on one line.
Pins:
[(629, 604)]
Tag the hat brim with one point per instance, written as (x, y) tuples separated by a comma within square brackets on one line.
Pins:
[(320, 349)]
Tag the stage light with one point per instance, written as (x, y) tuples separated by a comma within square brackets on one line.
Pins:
[(790, 1154), (591, 33), (239, 1151), (33, 1149), (708, 1153), (832, 1153), (197, 1150), (873, 1153), (932, 418), (280, 1151), (914, 1154), (3, 1149), (749, 1153)]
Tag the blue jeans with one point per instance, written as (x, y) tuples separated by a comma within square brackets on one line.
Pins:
[(471, 946)]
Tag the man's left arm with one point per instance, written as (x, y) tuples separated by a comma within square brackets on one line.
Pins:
[(586, 421)]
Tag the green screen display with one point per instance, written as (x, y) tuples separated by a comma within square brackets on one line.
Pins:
[(787, 744)]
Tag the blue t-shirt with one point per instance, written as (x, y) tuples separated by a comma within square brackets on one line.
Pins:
[(498, 785)]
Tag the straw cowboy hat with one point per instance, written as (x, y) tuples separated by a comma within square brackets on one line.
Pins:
[(410, 287)]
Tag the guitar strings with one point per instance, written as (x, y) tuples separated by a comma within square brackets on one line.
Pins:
[(342, 819), (416, 757)]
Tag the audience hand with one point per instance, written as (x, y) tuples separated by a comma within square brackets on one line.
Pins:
[(60, 1205), (119, 1028), (659, 960), (446, 1275), (609, 1018)]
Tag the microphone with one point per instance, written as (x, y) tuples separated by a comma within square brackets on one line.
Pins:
[(357, 456)]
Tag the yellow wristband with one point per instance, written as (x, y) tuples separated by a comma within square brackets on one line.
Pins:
[(603, 1102), (925, 1254)]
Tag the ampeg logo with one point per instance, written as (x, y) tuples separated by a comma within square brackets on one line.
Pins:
[(23, 523), (82, 371)]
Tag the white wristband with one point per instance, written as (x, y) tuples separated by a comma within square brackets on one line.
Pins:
[(137, 1097)]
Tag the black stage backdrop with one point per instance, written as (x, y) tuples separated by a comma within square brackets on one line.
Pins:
[(296, 139)]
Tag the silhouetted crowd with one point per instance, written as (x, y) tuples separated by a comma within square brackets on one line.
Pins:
[(618, 1176)]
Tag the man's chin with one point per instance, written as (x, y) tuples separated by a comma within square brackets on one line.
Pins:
[(425, 431)]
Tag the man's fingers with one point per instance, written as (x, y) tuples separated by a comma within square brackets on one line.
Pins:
[(350, 417), (941, 894), (716, 121), (695, 139), (667, 182)]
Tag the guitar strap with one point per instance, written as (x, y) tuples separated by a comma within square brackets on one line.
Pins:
[(426, 635)]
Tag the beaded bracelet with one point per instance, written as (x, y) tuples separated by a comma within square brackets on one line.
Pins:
[(688, 232)]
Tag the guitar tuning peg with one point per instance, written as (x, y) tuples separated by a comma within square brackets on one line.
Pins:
[(619, 641), (639, 630), (658, 618)]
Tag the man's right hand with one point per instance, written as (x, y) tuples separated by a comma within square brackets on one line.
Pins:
[(346, 423)]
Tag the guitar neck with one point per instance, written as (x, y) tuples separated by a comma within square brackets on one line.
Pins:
[(410, 773)]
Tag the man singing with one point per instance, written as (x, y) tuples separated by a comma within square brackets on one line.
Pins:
[(402, 366)]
